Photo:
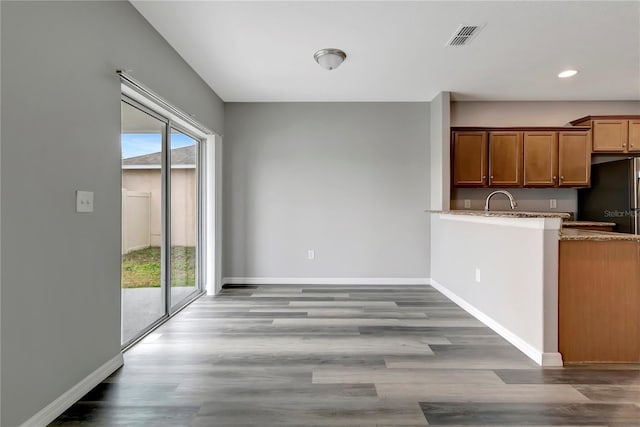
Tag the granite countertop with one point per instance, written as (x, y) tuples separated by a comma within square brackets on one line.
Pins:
[(577, 234), (507, 214), (587, 224)]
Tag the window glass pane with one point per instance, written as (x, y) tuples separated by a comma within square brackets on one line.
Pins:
[(142, 289), (184, 216)]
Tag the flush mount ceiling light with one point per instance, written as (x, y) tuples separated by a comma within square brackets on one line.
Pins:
[(330, 58), (567, 73)]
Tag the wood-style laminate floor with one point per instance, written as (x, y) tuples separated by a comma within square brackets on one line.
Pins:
[(346, 356)]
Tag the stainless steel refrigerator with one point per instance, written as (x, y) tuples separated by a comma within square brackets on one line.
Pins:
[(613, 195)]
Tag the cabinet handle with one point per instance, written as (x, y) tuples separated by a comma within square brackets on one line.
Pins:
[(484, 176), (491, 176), (624, 145), (555, 177), (561, 178)]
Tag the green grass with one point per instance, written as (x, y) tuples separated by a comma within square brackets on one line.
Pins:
[(141, 268)]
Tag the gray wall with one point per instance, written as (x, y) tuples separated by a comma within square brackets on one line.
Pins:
[(61, 132), (440, 152), (349, 180), (533, 113), (0, 216), (529, 113), (517, 264)]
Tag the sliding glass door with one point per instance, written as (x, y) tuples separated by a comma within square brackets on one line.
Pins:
[(184, 217), (160, 218), (143, 293)]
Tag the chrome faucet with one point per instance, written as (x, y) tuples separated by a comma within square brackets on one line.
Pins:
[(512, 201)]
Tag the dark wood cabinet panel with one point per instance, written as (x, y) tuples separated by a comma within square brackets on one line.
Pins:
[(540, 159), (634, 135), (469, 159), (599, 301), (610, 135), (505, 159), (613, 134), (574, 158), (521, 157)]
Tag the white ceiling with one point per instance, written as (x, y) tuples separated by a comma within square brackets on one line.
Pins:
[(263, 51)]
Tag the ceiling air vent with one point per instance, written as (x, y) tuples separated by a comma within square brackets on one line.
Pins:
[(464, 35)]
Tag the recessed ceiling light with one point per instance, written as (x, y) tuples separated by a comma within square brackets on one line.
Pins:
[(567, 73)]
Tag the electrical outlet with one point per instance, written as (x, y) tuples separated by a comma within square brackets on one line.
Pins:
[(553, 203), (467, 203), (478, 275), (311, 254)]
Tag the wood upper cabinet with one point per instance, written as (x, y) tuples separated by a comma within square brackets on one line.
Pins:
[(574, 158), (521, 157), (505, 159), (610, 135), (613, 134), (634, 135), (469, 159), (540, 159)]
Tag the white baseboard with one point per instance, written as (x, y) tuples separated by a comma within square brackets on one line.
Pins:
[(325, 281), (552, 359), (542, 359), (71, 396)]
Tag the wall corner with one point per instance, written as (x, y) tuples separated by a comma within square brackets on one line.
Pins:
[(440, 152)]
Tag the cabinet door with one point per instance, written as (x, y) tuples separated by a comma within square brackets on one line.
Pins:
[(505, 159), (574, 158), (540, 159), (599, 302), (634, 135), (470, 159), (610, 135)]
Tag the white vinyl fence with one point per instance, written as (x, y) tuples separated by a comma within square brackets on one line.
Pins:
[(136, 220)]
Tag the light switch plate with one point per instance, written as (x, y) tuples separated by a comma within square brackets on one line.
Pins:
[(467, 203), (84, 201), (553, 203)]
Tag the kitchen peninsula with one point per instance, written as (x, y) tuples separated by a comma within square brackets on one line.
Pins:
[(512, 271)]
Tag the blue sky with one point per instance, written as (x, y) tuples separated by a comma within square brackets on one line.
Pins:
[(137, 144)]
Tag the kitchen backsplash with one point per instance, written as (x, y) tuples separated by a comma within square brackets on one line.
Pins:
[(529, 199)]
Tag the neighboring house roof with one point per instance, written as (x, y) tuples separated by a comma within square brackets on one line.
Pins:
[(183, 157)]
